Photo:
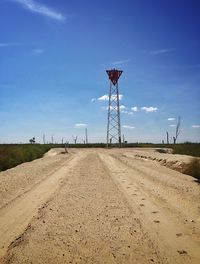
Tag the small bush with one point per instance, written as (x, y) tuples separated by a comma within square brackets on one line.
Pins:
[(193, 168)]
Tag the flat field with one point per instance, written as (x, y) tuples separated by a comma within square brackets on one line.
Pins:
[(100, 206)]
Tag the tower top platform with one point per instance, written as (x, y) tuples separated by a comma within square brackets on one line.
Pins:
[(114, 75)]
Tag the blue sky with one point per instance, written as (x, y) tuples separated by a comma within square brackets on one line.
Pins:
[(53, 57)]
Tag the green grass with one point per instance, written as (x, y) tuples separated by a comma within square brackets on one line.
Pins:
[(192, 149), (12, 155)]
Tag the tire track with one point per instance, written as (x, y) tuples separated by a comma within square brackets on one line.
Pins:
[(177, 242), (15, 217), (167, 185)]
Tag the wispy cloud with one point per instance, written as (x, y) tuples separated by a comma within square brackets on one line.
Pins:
[(150, 109), (128, 127), (172, 125), (120, 62), (124, 111), (171, 119), (41, 9), (80, 125), (159, 51), (195, 126), (104, 108), (106, 97), (120, 96), (38, 51), (93, 100), (9, 44)]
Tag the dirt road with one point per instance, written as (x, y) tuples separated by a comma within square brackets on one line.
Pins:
[(98, 206)]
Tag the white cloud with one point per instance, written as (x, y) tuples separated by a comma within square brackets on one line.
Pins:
[(159, 51), (80, 125), (150, 109), (93, 100), (196, 126), (171, 119), (128, 127), (172, 125), (41, 9), (120, 96), (134, 109), (106, 97), (122, 107)]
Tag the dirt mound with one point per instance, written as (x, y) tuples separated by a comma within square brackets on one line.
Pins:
[(176, 162), (53, 152)]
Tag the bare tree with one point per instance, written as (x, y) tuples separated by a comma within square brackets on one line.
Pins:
[(66, 146), (44, 139), (75, 139), (167, 137), (86, 136), (178, 130)]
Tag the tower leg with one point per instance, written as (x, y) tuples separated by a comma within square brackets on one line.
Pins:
[(113, 123)]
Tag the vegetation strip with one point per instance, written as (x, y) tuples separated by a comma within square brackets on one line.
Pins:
[(12, 155)]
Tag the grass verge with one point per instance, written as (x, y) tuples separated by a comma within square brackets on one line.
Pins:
[(192, 149), (12, 155)]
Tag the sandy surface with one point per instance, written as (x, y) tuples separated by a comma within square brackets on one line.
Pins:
[(100, 206)]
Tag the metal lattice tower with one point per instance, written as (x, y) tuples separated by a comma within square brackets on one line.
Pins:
[(114, 126)]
